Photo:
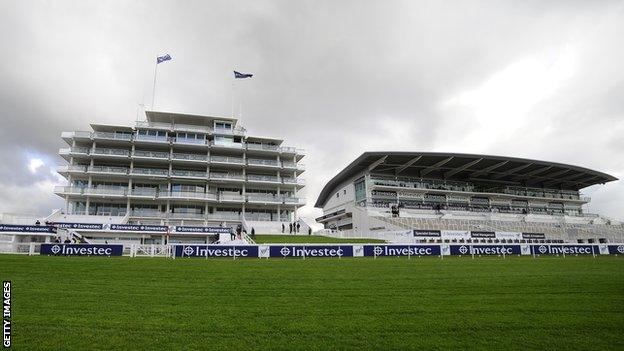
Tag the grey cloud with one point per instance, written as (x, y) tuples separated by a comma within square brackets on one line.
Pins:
[(336, 78)]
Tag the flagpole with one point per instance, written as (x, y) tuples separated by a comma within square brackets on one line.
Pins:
[(232, 98), (154, 87)]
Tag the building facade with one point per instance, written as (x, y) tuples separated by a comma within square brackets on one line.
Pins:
[(180, 169), (385, 191)]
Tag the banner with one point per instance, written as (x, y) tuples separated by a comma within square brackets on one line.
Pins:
[(211, 230), (84, 226), (311, 251), (487, 235), (81, 250), (27, 228), (565, 249), (539, 236), (139, 228), (427, 233), (616, 249), (216, 251), (401, 250), (485, 249)]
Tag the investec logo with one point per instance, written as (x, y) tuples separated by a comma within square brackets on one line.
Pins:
[(620, 249), (402, 251), (203, 251), (477, 250), (565, 249), (295, 251), (81, 250)]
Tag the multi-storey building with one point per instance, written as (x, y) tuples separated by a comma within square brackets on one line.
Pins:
[(445, 191), (180, 169)]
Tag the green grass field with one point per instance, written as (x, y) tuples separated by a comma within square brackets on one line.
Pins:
[(307, 239), (79, 303)]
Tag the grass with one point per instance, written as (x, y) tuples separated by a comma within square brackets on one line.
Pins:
[(517, 303), (307, 239)]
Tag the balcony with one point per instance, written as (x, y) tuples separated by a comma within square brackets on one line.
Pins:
[(227, 160), (231, 197), (227, 176), (293, 165), (237, 146), (68, 190), (188, 174), (262, 178), (228, 131), (144, 192), (152, 172), (71, 169), (262, 147), (189, 195), (189, 141), (108, 170), (189, 157), (151, 138), (262, 162), (221, 216), (263, 198), (107, 191), (295, 181), (110, 152), (186, 215), (191, 128), (76, 135), (74, 151), (111, 136), (289, 200), (147, 213), (152, 155)]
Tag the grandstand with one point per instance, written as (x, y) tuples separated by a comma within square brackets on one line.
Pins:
[(456, 195)]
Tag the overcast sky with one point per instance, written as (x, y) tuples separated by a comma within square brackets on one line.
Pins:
[(534, 79)]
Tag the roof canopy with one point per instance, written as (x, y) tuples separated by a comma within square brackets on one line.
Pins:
[(479, 169)]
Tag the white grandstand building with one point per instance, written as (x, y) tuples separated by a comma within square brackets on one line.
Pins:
[(177, 170), (447, 197)]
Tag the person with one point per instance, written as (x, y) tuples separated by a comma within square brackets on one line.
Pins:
[(309, 231), (253, 233), (57, 240), (106, 242), (67, 241), (283, 228), (290, 228), (298, 227), (37, 223)]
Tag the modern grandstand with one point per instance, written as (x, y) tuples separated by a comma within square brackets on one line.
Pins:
[(451, 197)]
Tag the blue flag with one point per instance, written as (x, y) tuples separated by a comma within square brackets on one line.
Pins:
[(161, 59), (242, 75)]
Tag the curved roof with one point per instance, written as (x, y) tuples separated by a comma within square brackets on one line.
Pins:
[(482, 169)]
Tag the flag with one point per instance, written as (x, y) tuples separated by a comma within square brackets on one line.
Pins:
[(242, 75), (161, 59)]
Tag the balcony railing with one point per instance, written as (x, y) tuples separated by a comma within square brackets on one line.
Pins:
[(74, 168), (297, 181), (227, 145), (110, 152), (108, 170), (262, 178), (262, 162), (227, 159), (150, 171), (188, 174), (150, 154), (74, 150), (111, 136), (189, 141), (231, 197), (223, 216), (151, 138), (227, 176), (189, 157), (256, 197), (265, 147), (150, 192)]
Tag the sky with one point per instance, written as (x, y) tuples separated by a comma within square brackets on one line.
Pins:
[(533, 79)]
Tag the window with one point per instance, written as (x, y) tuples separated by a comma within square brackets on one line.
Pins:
[(360, 189), (337, 194), (344, 192)]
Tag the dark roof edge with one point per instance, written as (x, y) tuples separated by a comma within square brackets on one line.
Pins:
[(341, 176)]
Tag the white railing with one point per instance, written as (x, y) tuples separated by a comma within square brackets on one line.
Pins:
[(150, 171), (262, 178), (190, 157), (110, 170), (227, 176), (227, 159), (111, 136), (151, 154), (110, 152), (188, 174), (262, 162)]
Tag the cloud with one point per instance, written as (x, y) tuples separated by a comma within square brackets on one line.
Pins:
[(529, 79)]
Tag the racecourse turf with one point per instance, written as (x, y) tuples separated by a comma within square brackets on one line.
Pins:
[(516, 303), (308, 239)]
